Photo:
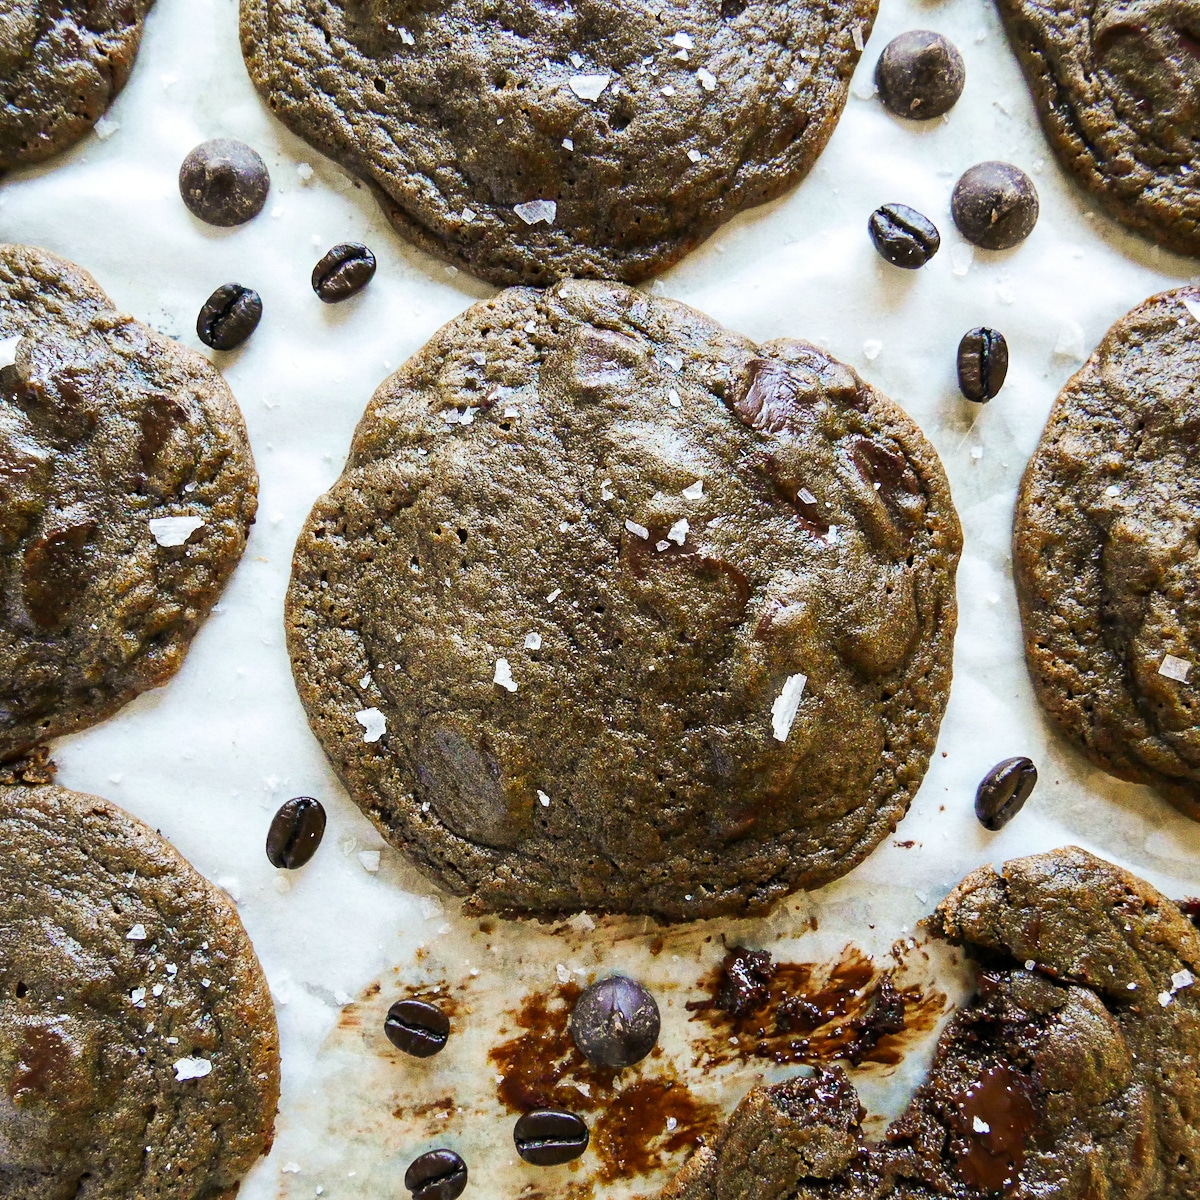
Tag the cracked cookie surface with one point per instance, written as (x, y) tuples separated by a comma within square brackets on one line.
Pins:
[(587, 547), (1105, 552), (634, 131), (1069, 1075), (138, 1049), (127, 489), (62, 62), (1117, 87)]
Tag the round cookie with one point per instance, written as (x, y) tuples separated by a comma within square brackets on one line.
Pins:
[(1116, 84), (61, 66), (540, 141), (138, 1050), (1071, 1074), (613, 609), (127, 489), (1105, 552)]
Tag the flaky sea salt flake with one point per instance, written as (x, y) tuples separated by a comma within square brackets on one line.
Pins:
[(1174, 668), (305, 171), (468, 214), (374, 724), (694, 155), (554, 595), (138, 997), (406, 37), (856, 36), (1070, 341), (871, 348), (640, 530), (667, 90), (708, 81), (1165, 998), (683, 41), (789, 85), (589, 87), (137, 933), (369, 860), (1182, 979), (543, 799), (503, 675), (694, 491), (192, 1068), (568, 144), (105, 128), (533, 211), (980, 1126), (786, 705), (1192, 304), (174, 531), (679, 531), (8, 351)]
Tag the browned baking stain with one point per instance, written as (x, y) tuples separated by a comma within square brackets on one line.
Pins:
[(443, 1104), (795, 1012), (636, 1128)]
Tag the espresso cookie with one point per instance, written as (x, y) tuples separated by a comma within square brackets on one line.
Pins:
[(1071, 1074), (138, 1052), (613, 609), (1105, 552), (1115, 85), (62, 63), (126, 491), (542, 141)]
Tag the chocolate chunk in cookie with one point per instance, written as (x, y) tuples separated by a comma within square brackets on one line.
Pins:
[(126, 491), (1116, 85), (1105, 552), (614, 609), (532, 142), (61, 65), (1070, 1074), (138, 1052)]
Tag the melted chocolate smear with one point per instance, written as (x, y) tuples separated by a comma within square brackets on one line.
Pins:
[(54, 574), (773, 396), (1188, 42), (1191, 909), (995, 1117), (642, 554), (632, 1133), (42, 1060), (808, 510), (811, 1013)]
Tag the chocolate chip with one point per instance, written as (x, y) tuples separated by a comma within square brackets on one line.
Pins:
[(615, 1022), (982, 363), (417, 1027), (547, 1137), (903, 236), (436, 1175), (343, 272), (745, 981), (229, 316), (224, 182), (296, 832), (1003, 792), (995, 205), (920, 75)]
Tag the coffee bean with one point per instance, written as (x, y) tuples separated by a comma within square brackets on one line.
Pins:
[(343, 272), (920, 75), (615, 1022), (437, 1175), (1003, 792), (995, 205), (982, 363), (547, 1137), (229, 316), (296, 831), (224, 182), (903, 236), (417, 1027)]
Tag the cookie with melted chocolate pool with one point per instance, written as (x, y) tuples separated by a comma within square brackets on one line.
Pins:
[(61, 66), (1117, 87), (127, 489), (613, 609), (1071, 1074), (138, 1050)]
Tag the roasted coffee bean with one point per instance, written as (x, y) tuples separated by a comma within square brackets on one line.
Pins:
[(995, 205), (547, 1137), (229, 316), (296, 832), (437, 1175), (343, 272), (224, 182), (920, 75), (982, 363), (417, 1027), (615, 1022), (1003, 792), (903, 236)]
